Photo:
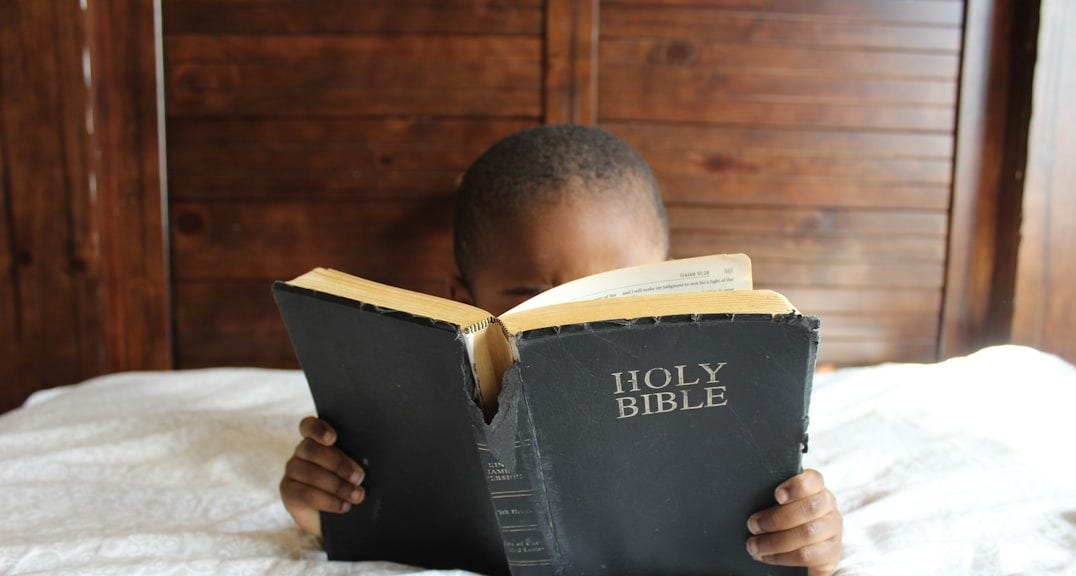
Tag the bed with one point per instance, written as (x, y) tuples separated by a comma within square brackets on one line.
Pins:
[(960, 467)]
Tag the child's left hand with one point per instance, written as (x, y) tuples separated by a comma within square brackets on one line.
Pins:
[(804, 529)]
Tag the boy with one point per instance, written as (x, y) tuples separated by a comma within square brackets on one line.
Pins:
[(563, 202)]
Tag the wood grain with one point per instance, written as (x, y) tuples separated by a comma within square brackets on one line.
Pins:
[(122, 44), (405, 243), (359, 158), (1045, 306), (50, 323), (763, 26), (216, 17)]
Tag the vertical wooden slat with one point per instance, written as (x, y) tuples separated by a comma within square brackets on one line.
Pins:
[(984, 82), (1045, 303), (571, 62), (49, 320), (123, 51)]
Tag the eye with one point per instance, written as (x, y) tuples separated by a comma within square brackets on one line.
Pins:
[(525, 291)]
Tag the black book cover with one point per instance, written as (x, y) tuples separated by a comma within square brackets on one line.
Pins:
[(397, 390), (648, 443)]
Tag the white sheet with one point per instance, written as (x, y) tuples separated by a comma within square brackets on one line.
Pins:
[(964, 467)]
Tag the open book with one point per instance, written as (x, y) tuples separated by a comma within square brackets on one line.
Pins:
[(643, 414)]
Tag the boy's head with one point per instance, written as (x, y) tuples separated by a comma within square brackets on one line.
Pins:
[(551, 204)]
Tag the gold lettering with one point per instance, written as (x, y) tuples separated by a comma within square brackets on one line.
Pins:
[(685, 402), (712, 372), (680, 376), (646, 378), (626, 404), (666, 402), (633, 380), (715, 396)]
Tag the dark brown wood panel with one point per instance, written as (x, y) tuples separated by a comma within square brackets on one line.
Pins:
[(646, 20), (505, 83), (50, 322), (218, 17), (404, 243), (571, 62), (817, 137), (800, 222), (801, 191), (229, 323), (810, 247), (714, 52), (928, 12), (1045, 307), (127, 175), (361, 158), (649, 137)]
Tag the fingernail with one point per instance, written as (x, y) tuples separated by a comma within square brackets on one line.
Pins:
[(357, 477), (345, 507), (357, 495), (752, 547), (781, 495), (752, 525)]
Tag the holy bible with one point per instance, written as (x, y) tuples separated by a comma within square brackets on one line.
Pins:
[(625, 423)]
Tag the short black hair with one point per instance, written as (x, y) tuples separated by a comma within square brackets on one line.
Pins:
[(530, 169)]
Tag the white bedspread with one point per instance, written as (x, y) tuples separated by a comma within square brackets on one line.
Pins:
[(962, 467)]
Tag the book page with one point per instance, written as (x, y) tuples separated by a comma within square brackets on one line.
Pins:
[(704, 273)]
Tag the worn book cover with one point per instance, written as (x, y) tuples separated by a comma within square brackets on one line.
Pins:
[(636, 430)]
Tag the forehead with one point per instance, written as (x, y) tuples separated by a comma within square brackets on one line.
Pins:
[(574, 238)]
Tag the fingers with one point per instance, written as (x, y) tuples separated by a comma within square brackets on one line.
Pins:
[(307, 485), (800, 486), (331, 459), (318, 430), (319, 476), (804, 529), (802, 498)]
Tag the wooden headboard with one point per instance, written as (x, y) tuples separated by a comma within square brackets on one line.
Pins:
[(853, 149)]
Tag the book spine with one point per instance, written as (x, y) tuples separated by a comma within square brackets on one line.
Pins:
[(516, 508), (509, 457)]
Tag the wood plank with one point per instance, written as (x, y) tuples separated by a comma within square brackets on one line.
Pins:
[(860, 352), (979, 156), (1045, 306), (653, 82), (907, 12), (51, 324), (649, 136), (340, 49), (403, 243), (371, 185), (720, 54), (507, 83), (771, 191), (213, 17), (650, 21), (571, 61), (871, 274), (817, 163), (918, 302), (815, 222), (368, 158), (809, 248), (892, 327), (699, 107), (122, 44), (416, 132), (215, 321)]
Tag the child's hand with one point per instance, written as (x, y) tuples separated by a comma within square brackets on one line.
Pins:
[(319, 477), (804, 529)]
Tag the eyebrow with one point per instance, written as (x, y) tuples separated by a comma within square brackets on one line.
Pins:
[(524, 290)]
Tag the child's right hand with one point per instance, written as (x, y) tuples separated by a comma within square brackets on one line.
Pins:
[(319, 477)]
